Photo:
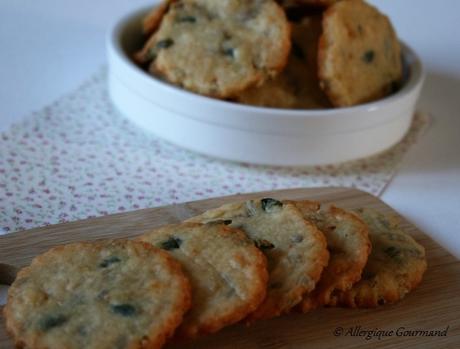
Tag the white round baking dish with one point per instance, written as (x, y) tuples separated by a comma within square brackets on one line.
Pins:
[(243, 133)]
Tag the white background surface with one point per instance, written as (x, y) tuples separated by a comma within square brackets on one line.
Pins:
[(48, 47)]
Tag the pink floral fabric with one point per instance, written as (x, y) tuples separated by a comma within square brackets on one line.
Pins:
[(79, 158)]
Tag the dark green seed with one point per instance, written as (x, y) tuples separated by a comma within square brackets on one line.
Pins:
[(166, 43), (50, 322), (297, 239), (171, 244), (152, 55), (109, 261), (268, 204), (393, 252), (297, 51), (369, 56), (123, 309), (186, 19), (229, 52), (264, 244)]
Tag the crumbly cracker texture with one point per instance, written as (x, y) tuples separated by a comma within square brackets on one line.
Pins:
[(296, 250), (359, 54), (395, 266), (297, 87), (219, 48), (349, 247), (104, 295), (228, 273)]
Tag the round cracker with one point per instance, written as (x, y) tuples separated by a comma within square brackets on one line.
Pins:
[(220, 48), (111, 294), (150, 24), (295, 249), (152, 20), (349, 247), (395, 266), (359, 54), (228, 273), (297, 87)]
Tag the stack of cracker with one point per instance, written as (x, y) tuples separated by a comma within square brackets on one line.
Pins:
[(242, 262)]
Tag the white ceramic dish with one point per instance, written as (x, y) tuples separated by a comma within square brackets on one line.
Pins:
[(251, 134)]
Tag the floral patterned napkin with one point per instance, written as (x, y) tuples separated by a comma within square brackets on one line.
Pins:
[(79, 158)]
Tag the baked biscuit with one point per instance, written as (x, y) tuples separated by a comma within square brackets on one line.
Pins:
[(152, 20), (359, 54), (297, 87), (395, 266), (295, 249), (349, 247), (150, 25), (105, 295), (228, 273), (219, 48)]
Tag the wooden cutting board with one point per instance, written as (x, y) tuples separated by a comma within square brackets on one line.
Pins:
[(435, 305)]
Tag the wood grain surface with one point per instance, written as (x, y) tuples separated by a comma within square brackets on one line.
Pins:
[(434, 305)]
